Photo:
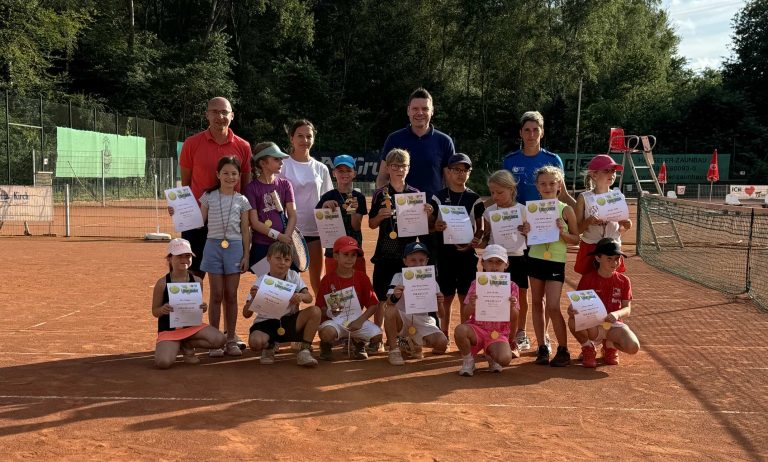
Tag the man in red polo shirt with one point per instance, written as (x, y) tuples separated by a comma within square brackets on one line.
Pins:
[(199, 157)]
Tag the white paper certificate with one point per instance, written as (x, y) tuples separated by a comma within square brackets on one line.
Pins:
[(343, 305), (493, 294), (610, 206), (591, 311), (420, 289), (458, 224), (411, 216), (185, 298), (542, 216), (273, 297), (330, 225), (504, 223), (186, 212)]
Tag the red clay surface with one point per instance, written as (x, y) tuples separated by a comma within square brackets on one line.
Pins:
[(77, 381)]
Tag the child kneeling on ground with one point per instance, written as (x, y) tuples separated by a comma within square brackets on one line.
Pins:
[(615, 291), (342, 308), (406, 333), (491, 337), (296, 326)]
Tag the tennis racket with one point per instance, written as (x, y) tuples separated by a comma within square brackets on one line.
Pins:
[(299, 248)]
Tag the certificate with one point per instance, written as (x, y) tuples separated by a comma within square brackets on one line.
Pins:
[(186, 212), (185, 298), (591, 311), (343, 305), (504, 223), (542, 216), (273, 297), (420, 289), (330, 225), (610, 206), (458, 224), (493, 292), (411, 216)]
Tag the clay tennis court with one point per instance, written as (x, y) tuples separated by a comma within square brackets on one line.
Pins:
[(77, 381)]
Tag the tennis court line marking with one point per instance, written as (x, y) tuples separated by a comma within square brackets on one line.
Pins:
[(55, 319), (401, 403)]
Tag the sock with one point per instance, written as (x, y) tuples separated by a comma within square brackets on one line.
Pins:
[(467, 356), (588, 343), (305, 345)]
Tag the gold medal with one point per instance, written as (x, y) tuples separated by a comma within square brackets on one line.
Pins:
[(494, 335), (547, 255), (606, 325), (268, 223), (345, 323), (411, 330), (280, 331), (224, 244), (393, 235)]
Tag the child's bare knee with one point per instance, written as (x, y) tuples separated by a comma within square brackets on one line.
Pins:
[(328, 334), (164, 363), (632, 347)]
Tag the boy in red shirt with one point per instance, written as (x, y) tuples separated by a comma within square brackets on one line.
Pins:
[(615, 291)]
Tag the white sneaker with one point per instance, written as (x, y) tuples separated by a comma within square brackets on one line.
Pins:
[(522, 340), (396, 358), (547, 342), (493, 366), (231, 349), (304, 358), (216, 353), (467, 367), (267, 356)]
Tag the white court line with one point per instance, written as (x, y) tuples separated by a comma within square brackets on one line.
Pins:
[(401, 403), (60, 317)]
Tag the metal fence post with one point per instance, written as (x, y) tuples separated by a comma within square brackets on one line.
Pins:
[(66, 211), (748, 275)]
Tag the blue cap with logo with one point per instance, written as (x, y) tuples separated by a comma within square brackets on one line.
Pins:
[(344, 159), (414, 247)]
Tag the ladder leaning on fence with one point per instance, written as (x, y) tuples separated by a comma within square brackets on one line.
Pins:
[(627, 145)]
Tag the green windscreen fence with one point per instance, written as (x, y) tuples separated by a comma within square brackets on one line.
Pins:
[(87, 154)]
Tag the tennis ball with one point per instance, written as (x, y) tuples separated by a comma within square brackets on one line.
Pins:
[(601, 201), (174, 289), (575, 298), (445, 210), (172, 196), (319, 215), (269, 281), (532, 208), (482, 280), (401, 200), (495, 217), (408, 275)]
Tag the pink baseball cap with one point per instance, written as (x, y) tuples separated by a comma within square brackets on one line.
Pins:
[(603, 162), (179, 246)]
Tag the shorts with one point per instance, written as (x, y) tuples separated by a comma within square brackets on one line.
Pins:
[(518, 270), (484, 339), (365, 333), (330, 265), (218, 260), (602, 332), (456, 271), (546, 270), (383, 271), (425, 325), (197, 238), (270, 326), (311, 238), (585, 263), (179, 334)]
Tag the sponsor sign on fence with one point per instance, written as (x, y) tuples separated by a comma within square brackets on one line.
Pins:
[(749, 191), (26, 203)]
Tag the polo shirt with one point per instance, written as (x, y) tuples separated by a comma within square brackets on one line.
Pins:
[(429, 155), (201, 153)]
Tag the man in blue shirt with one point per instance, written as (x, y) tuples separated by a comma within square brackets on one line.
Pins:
[(430, 149), (524, 162)]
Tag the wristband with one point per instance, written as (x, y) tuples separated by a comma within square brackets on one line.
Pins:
[(273, 234)]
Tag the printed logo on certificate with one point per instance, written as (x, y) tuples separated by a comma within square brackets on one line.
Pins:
[(504, 224), (411, 216), (273, 297), (493, 292), (330, 225), (542, 216), (458, 224), (590, 310), (343, 305), (420, 289), (610, 206), (186, 212), (185, 298)]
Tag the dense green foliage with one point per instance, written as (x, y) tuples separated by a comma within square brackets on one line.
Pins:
[(349, 65)]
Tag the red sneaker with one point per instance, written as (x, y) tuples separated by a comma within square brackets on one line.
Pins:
[(589, 356), (611, 356)]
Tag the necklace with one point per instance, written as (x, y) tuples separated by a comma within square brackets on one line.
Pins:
[(224, 242)]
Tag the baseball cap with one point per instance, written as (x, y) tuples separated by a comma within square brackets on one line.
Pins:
[(344, 159), (272, 150), (495, 251), (413, 247), (603, 162), (179, 246), (347, 244), (460, 158), (607, 246)]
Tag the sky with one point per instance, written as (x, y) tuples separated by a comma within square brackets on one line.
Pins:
[(704, 28)]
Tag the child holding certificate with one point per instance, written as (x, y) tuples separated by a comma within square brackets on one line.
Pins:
[(600, 175), (500, 217), (347, 300), (615, 291), (226, 249), (491, 337), (546, 267), (352, 203), (185, 339), (456, 263), (407, 333), (295, 325)]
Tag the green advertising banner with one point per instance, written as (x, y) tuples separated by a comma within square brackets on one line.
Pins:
[(681, 168), (86, 154)]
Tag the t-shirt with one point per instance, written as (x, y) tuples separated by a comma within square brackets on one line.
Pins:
[(471, 202), (523, 168), (224, 214), (397, 280), (362, 209), (201, 153), (333, 282), (309, 180), (386, 247), (292, 277), (501, 327), (595, 232), (260, 197), (429, 155), (487, 217), (612, 290)]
